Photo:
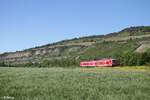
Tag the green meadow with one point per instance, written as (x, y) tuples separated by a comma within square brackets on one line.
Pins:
[(128, 83)]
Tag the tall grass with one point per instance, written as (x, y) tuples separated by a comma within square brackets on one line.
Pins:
[(74, 84)]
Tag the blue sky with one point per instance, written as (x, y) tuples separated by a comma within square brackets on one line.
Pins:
[(30, 23)]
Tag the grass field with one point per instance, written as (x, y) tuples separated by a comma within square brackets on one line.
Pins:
[(75, 84)]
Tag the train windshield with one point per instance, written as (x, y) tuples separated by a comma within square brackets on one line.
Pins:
[(114, 62)]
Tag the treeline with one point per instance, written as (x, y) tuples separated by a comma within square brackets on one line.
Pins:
[(64, 62), (69, 62), (137, 29), (125, 59), (134, 59)]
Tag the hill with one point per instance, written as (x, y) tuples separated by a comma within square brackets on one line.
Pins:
[(132, 39)]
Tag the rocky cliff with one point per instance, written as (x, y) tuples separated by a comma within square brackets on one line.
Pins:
[(44, 51)]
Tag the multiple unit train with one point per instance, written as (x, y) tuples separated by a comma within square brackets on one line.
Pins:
[(100, 63)]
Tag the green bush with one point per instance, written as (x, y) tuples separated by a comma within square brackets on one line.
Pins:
[(64, 62), (2, 64), (134, 59)]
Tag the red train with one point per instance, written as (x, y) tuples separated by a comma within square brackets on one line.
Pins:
[(100, 63)]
